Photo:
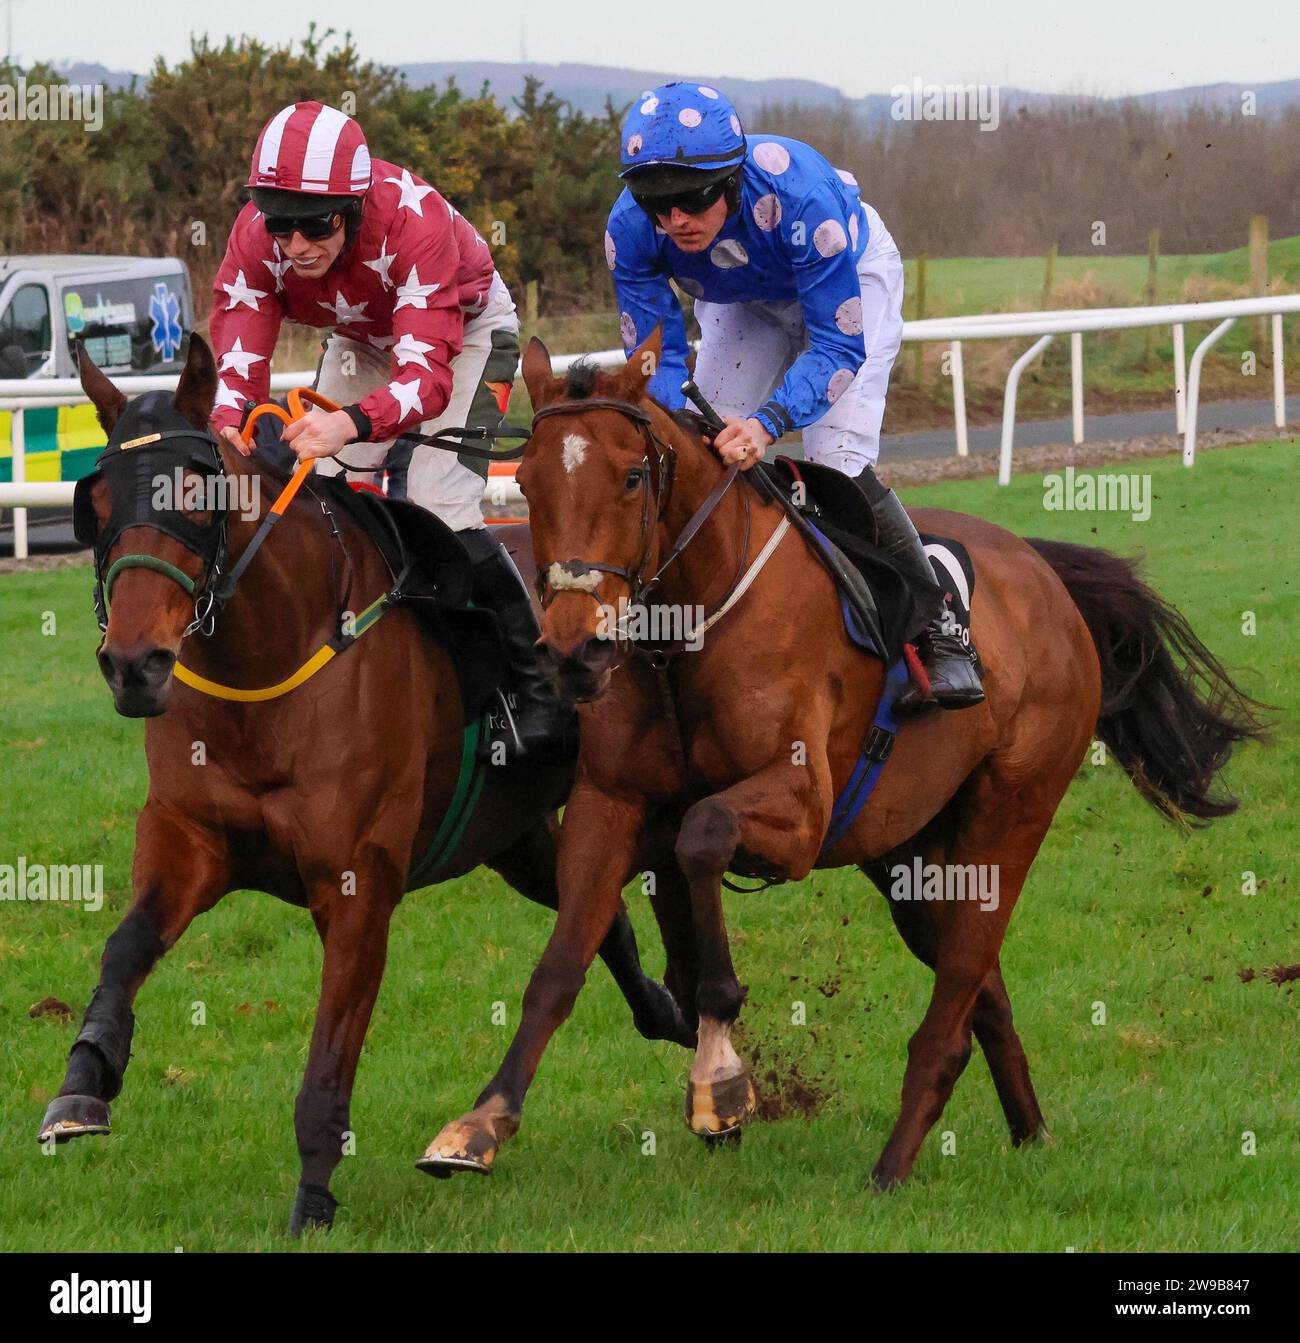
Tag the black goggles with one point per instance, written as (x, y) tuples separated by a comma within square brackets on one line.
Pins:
[(315, 228), (693, 202)]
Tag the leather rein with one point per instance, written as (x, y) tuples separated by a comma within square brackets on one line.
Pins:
[(217, 583), (658, 464)]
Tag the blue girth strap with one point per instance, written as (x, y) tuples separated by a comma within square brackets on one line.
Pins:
[(875, 751)]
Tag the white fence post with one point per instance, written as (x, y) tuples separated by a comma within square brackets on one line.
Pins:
[(959, 400), (1076, 384), (1279, 381), (1180, 377), (1009, 404), (1194, 387)]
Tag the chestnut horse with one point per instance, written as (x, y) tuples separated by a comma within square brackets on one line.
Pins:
[(324, 797), (737, 751)]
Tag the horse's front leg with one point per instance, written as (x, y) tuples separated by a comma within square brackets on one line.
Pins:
[(775, 819), (529, 865), (180, 870), (598, 841), (352, 912)]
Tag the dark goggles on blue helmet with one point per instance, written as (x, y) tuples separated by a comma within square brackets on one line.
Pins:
[(690, 200)]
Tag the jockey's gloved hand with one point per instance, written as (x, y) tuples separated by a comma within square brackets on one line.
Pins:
[(269, 446)]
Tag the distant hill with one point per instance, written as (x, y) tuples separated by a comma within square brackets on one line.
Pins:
[(87, 72), (1269, 98), (586, 88)]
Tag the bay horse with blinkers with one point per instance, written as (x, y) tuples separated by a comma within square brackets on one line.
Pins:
[(325, 796)]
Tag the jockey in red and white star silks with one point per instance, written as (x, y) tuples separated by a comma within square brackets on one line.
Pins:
[(419, 316), (424, 336)]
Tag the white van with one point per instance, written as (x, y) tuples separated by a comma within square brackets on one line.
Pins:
[(132, 313)]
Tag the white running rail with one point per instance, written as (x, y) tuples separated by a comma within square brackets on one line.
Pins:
[(17, 395)]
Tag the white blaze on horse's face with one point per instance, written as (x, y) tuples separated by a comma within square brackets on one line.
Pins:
[(575, 452)]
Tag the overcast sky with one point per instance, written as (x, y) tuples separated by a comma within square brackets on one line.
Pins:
[(1074, 46)]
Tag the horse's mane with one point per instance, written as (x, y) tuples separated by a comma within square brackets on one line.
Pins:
[(584, 379), (581, 379)]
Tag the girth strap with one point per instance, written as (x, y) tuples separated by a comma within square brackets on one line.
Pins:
[(876, 749)]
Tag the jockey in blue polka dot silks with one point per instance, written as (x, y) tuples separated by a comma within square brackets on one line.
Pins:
[(798, 291)]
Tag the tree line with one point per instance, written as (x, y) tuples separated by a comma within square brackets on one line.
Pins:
[(1049, 176), (165, 173)]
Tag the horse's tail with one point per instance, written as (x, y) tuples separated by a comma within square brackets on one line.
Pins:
[(1169, 710)]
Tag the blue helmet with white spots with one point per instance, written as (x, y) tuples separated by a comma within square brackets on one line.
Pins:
[(682, 125)]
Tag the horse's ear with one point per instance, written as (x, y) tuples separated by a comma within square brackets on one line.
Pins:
[(538, 377), (642, 365), (107, 400), (197, 389)]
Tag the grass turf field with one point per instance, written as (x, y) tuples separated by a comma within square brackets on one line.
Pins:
[(1149, 1110)]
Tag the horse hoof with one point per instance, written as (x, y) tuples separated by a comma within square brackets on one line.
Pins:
[(313, 1209), (444, 1167), (720, 1142), (74, 1117), (461, 1146), (1039, 1137), (718, 1109)]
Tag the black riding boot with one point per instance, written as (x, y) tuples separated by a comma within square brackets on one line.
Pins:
[(539, 728), (954, 675)]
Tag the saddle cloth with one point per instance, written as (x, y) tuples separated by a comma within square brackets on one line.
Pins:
[(842, 522)]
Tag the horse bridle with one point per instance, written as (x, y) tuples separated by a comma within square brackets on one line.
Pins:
[(579, 574), (137, 463), (658, 459)]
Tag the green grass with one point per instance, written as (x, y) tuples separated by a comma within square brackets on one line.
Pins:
[(1148, 1110), (957, 286)]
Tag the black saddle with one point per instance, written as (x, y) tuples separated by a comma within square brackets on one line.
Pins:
[(885, 605), (431, 569)]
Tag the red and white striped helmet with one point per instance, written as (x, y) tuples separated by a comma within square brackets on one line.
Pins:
[(314, 148)]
